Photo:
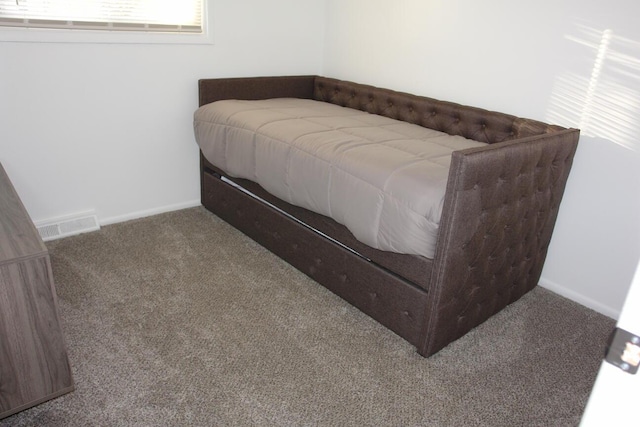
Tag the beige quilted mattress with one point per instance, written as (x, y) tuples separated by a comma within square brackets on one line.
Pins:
[(383, 179)]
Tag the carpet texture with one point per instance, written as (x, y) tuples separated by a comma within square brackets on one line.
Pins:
[(179, 319)]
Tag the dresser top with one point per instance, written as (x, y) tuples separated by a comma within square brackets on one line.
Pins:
[(18, 236)]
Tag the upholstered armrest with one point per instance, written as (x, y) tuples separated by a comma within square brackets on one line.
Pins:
[(500, 208), (211, 90)]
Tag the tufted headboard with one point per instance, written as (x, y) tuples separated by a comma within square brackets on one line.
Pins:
[(454, 119)]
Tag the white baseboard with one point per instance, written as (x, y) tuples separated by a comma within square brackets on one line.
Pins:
[(580, 299), (149, 212)]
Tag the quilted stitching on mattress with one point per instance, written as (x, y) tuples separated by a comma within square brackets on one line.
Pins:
[(381, 178)]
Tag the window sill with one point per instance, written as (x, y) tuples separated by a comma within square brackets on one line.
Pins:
[(39, 35)]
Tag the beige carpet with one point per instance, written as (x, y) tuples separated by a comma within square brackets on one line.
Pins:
[(179, 320)]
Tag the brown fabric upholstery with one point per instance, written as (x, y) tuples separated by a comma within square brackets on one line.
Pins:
[(500, 208), (496, 227), (210, 90), (454, 119), (386, 297)]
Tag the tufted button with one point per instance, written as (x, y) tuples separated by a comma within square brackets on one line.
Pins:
[(433, 113)]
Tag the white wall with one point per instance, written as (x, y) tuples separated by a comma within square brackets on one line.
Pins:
[(549, 60), (109, 126)]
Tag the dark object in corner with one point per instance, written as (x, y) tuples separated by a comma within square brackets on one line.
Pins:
[(34, 366)]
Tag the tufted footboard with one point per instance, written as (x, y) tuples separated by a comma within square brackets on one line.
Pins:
[(500, 209), (499, 212)]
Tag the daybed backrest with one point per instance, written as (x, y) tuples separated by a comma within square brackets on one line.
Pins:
[(455, 119)]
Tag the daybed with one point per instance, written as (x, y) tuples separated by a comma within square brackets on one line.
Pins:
[(500, 204)]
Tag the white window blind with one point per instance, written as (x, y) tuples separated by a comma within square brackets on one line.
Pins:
[(169, 16)]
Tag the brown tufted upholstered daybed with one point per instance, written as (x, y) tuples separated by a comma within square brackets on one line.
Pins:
[(500, 207)]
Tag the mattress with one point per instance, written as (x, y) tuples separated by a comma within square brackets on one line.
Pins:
[(381, 178)]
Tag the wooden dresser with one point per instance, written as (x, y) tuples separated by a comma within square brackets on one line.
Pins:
[(34, 366)]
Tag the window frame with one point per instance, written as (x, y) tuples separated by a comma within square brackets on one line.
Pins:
[(61, 35)]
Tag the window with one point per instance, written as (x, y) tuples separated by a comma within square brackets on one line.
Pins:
[(102, 16)]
